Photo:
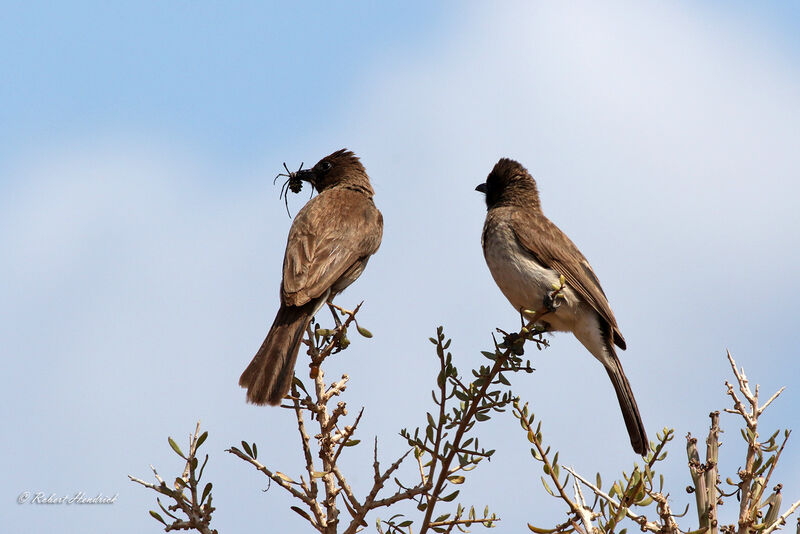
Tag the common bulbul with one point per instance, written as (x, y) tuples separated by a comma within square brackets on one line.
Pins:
[(329, 244), (527, 256)]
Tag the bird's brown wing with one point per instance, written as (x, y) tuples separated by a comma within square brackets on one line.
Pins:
[(332, 232), (554, 250)]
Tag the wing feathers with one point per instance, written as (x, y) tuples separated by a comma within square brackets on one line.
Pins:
[(554, 250), (331, 233)]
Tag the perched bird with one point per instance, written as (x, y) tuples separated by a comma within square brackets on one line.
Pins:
[(527, 255), (329, 244)]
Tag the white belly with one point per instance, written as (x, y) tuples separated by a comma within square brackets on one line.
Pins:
[(525, 282)]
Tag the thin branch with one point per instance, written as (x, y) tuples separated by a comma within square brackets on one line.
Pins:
[(641, 520), (278, 479), (769, 401), (782, 519)]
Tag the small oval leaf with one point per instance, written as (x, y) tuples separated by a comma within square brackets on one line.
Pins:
[(364, 332), (158, 517), (175, 447)]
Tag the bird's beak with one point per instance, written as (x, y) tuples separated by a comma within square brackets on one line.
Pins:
[(481, 188), (307, 175)]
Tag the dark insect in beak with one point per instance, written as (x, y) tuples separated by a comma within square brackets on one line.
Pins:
[(293, 183)]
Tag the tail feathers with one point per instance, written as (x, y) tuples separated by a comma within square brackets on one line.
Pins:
[(627, 403), (268, 378)]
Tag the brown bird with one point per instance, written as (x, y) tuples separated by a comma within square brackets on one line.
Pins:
[(527, 254), (329, 244)]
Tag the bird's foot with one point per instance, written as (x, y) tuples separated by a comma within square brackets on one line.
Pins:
[(552, 301), (333, 307)]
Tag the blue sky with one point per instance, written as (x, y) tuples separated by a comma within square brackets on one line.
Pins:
[(145, 238)]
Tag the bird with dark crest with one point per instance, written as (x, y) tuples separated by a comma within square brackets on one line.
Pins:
[(527, 256), (329, 244)]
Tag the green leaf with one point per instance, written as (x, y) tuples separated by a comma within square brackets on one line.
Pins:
[(247, 449), (299, 384), (158, 517), (176, 448), (201, 439), (364, 332), (302, 513), (456, 479), (206, 491), (450, 497), (352, 442), (255, 451)]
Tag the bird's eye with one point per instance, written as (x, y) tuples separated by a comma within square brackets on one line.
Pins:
[(325, 165)]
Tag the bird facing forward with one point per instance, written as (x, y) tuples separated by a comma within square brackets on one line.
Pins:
[(329, 244), (527, 255)]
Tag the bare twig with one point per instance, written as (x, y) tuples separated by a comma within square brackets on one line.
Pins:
[(782, 519)]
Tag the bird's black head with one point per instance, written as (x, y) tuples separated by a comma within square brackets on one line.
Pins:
[(509, 183), (343, 166)]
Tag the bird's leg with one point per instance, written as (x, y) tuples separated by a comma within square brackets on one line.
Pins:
[(333, 307), (521, 318), (341, 328)]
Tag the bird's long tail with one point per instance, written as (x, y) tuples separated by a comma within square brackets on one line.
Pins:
[(627, 403), (268, 378)]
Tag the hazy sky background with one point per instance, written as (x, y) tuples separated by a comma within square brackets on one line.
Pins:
[(143, 237)]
